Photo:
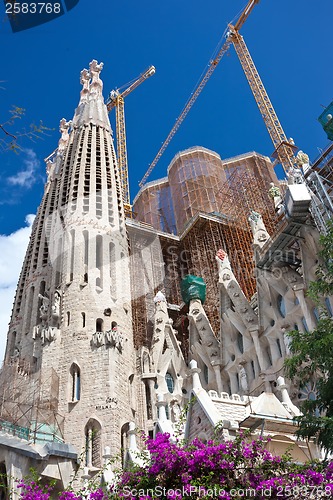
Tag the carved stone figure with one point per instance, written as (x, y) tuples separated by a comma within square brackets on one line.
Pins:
[(243, 379), (84, 80), (56, 304), (176, 411), (64, 127), (44, 308), (302, 159), (96, 85)]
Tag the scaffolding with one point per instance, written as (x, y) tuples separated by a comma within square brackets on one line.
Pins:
[(29, 403)]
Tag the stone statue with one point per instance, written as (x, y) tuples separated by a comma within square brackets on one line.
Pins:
[(84, 80), (64, 127), (56, 304), (176, 411), (243, 379), (302, 160), (44, 308), (96, 85)]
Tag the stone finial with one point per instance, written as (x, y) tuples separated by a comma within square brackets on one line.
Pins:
[(302, 159), (108, 475), (195, 374), (132, 446), (281, 385), (225, 273), (96, 85), (221, 255), (159, 297), (162, 416), (260, 234)]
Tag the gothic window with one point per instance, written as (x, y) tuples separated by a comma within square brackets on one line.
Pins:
[(328, 307), (279, 347), (93, 443), (205, 373), (148, 402), (316, 313), (305, 325), (240, 342), (269, 356), (75, 383), (253, 369), (86, 255), (170, 382), (281, 306)]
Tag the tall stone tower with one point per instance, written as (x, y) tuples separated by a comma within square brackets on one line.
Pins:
[(71, 321)]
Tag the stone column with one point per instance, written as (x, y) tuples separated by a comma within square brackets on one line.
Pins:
[(217, 370), (161, 408), (255, 336), (195, 375), (299, 292)]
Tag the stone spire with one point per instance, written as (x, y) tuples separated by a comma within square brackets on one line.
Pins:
[(91, 108), (75, 283)]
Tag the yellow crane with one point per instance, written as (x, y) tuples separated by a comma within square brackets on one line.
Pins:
[(116, 100), (284, 150)]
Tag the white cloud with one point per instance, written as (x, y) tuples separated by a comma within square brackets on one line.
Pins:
[(26, 177), (12, 252)]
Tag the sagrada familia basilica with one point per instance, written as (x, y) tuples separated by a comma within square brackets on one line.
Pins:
[(171, 318)]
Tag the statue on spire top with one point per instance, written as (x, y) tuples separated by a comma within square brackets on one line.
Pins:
[(96, 85)]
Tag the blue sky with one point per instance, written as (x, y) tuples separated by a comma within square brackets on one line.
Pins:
[(290, 42)]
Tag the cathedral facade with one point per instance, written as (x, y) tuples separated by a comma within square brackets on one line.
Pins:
[(118, 321)]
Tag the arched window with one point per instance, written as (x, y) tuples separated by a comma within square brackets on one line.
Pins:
[(99, 325), (316, 313), (240, 342), (281, 306), (83, 315), (279, 347), (68, 315), (305, 325), (75, 383), (328, 307), (170, 382), (205, 373), (93, 443)]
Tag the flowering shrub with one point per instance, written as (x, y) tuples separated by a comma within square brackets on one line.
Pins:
[(230, 470)]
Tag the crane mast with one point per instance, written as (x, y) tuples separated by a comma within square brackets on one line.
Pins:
[(116, 100), (284, 150)]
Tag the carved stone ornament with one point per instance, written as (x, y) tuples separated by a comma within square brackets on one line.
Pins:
[(221, 254)]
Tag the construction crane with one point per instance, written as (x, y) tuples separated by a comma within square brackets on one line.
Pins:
[(284, 149), (116, 100)]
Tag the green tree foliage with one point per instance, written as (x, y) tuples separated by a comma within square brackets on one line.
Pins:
[(312, 355)]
